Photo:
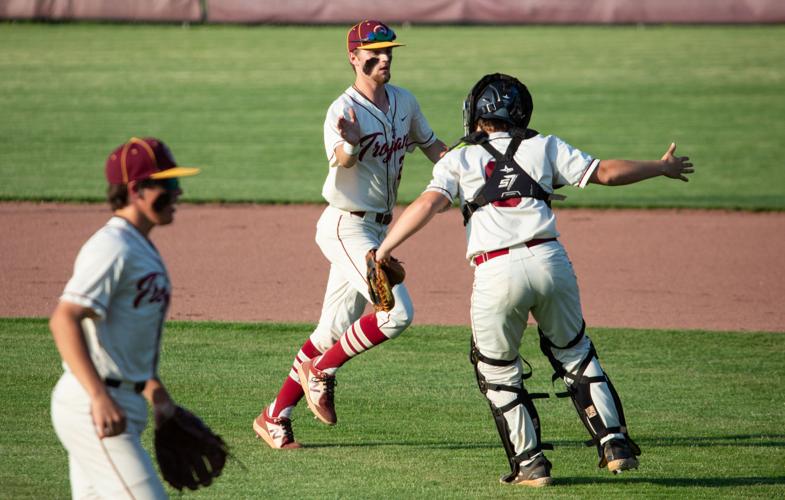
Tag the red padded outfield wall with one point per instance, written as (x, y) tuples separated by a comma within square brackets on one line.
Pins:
[(398, 11), (103, 10), (499, 11)]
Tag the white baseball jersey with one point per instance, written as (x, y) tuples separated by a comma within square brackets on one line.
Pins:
[(372, 184), (120, 275), (539, 279), (547, 159)]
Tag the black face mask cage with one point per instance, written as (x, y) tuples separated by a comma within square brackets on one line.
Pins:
[(520, 116)]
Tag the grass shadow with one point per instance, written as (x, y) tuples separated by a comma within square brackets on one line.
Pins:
[(676, 482), (746, 440)]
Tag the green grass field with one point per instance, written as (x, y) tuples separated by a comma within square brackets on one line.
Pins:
[(248, 103), (706, 408)]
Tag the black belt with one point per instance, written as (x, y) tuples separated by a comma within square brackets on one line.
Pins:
[(113, 382), (379, 218)]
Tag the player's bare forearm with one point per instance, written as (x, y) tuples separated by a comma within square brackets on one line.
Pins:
[(345, 160), (414, 218), (66, 327), (349, 129), (435, 151), (621, 172), (158, 397)]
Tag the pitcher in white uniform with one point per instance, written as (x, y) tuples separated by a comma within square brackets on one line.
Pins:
[(504, 176), (107, 327), (367, 133)]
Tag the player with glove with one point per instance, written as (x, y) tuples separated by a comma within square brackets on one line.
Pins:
[(504, 174), (107, 328), (367, 132)]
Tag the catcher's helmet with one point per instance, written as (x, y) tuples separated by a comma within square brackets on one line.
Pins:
[(498, 97)]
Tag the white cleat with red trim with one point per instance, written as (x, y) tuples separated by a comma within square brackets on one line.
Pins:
[(276, 431), (319, 390)]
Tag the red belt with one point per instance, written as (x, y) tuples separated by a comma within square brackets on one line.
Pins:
[(484, 257), (379, 218)]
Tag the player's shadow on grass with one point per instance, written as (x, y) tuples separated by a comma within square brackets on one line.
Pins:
[(414, 444), (746, 440), (737, 440), (676, 482)]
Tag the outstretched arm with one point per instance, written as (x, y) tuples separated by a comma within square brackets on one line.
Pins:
[(620, 172), (435, 151), (414, 218)]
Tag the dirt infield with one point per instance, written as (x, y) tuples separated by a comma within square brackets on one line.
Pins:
[(642, 269)]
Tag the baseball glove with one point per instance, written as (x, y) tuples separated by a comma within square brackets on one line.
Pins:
[(381, 278), (189, 454)]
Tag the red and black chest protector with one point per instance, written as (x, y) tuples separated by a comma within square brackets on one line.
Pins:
[(507, 179)]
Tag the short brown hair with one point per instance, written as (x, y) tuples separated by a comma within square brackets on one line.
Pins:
[(117, 194), (491, 125)]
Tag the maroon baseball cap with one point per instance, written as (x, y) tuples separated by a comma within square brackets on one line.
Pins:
[(370, 35), (140, 159)]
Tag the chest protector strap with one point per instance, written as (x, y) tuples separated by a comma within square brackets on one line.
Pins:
[(507, 180)]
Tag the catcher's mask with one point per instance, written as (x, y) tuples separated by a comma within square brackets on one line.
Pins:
[(498, 97)]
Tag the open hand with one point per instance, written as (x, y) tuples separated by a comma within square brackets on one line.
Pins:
[(676, 166), (349, 128)]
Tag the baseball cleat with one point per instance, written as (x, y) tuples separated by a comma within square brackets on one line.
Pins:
[(319, 388), (619, 456), (535, 475), (276, 431)]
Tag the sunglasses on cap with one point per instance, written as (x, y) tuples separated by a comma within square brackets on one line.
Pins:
[(382, 35)]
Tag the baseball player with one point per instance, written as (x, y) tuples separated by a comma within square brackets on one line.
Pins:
[(367, 133), (504, 176), (107, 327)]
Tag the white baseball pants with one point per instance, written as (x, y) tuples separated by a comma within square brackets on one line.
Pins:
[(539, 280), (344, 239), (111, 468)]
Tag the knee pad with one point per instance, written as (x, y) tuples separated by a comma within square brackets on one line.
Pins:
[(522, 398), (579, 391)]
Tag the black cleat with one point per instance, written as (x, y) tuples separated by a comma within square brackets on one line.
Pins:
[(619, 456), (536, 475)]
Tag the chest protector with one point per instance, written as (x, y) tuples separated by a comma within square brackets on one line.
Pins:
[(507, 179)]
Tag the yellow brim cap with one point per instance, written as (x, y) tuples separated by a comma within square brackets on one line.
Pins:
[(176, 172), (380, 45)]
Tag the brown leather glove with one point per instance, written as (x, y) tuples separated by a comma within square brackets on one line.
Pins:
[(382, 276)]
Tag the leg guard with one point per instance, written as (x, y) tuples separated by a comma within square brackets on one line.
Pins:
[(579, 390), (522, 398)]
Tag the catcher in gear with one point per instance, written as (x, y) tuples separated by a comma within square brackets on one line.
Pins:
[(503, 174), (108, 327)]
